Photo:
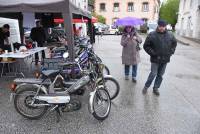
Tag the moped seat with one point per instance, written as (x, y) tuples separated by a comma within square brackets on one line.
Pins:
[(48, 73)]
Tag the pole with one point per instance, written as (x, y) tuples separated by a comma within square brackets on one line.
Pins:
[(69, 30)]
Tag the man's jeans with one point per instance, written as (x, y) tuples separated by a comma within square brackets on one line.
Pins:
[(36, 54), (134, 70), (157, 70)]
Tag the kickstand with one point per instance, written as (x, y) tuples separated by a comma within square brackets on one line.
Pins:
[(58, 114)]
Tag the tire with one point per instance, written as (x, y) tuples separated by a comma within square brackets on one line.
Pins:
[(98, 97), (106, 70), (27, 90), (114, 90)]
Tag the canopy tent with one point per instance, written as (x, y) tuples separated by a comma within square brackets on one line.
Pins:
[(57, 6)]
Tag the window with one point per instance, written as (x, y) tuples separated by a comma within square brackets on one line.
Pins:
[(189, 24), (130, 7), (102, 7), (145, 7), (182, 22), (116, 7), (191, 3), (184, 2), (156, 9)]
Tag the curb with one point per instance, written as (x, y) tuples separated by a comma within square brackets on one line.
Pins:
[(182, 42)]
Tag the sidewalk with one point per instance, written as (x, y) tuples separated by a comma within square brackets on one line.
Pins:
[(187, 41)]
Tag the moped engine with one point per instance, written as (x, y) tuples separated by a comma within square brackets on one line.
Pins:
[(54, 98)]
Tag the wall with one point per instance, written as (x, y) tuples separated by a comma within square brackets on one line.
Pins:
[(109, 14), (188, 19)]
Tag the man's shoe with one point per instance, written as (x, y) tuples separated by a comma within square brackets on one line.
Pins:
[(156, 92), (134, 80), (144, 90), (126, 77)]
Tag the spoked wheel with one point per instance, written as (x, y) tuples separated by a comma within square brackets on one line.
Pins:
[(112, 87), (22, 102), (106, 70), (101, 104)]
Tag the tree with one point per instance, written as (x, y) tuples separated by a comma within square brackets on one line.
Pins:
[(169, 10), (100, 18), (91, 2)]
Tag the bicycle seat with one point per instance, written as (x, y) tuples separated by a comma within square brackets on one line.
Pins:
[(48, 73)]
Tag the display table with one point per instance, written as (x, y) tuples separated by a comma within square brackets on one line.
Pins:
[(18, 56)]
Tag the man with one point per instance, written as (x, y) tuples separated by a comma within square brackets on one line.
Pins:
[(38, 35), (4, 34), (160, 45), (94, 33), (79, 32)]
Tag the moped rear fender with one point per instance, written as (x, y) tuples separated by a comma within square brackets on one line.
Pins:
[(43, 89)]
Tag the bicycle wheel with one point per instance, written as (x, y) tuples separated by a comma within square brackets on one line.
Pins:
[(106, 70), (112, 87), (101, 104)]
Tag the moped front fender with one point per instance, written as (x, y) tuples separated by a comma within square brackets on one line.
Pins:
[(91, 99), (108, 76)]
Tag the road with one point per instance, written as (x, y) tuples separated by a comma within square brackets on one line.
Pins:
[(175, 111)]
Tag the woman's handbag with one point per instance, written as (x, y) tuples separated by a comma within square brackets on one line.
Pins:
[(138, 48)]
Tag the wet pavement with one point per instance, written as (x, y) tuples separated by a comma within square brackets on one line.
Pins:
[(175, 111)]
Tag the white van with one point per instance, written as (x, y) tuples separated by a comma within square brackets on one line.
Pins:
[(14, 29), (113, 30), (151, 26)]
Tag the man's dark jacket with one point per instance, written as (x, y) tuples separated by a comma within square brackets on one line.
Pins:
[(38, 34), (160, 46)]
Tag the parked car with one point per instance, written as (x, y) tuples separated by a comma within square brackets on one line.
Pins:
[(113, 30), (151, 26), (169, 27), (101, 28)]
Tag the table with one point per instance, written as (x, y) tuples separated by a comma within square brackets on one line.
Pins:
[(20, 55)]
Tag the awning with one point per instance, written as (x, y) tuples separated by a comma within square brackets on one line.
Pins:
[(58, 21)]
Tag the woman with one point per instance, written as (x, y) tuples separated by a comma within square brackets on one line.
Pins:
[(130, 52)]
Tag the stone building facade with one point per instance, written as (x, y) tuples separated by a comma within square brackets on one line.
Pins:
[(189, 19), (147, 10)]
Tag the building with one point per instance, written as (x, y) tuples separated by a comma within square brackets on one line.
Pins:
[(188, 19), (83, 4), (147, 10)]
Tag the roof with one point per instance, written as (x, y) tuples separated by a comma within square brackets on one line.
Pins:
[(40, 6)]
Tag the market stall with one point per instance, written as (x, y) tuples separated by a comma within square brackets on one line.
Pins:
[(48, 6)]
